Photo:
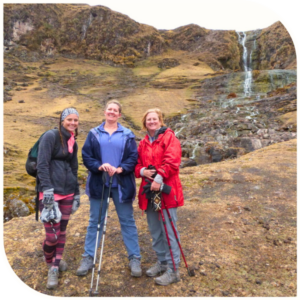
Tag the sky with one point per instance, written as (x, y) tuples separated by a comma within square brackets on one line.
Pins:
[(213, 14), (239, 15)]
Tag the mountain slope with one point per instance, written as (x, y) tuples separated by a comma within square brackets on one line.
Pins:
[(99, 33), (238, 229)]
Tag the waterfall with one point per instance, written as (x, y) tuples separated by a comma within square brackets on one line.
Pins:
[(183, 117), (247, 68), (149, 48), (272, 81), (194, 152), (178, 131), (86, 26)]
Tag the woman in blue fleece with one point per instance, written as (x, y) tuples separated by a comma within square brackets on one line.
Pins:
[(111, 148)]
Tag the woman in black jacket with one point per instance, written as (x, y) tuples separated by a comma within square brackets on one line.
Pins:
[(57, 168)]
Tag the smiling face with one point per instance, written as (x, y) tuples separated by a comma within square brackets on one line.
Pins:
[(152, 122), (112, 113), (70, 122)]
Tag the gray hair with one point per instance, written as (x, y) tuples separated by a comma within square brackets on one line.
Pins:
[(68, 111)]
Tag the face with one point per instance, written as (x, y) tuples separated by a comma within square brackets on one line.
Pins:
[(152, 121), (112, 112), (70, 122)]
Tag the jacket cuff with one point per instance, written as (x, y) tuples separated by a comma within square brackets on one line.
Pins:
[(142, 171), (159, 179), (48, 190)]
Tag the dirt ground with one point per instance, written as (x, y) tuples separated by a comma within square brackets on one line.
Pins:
[(237, 227)]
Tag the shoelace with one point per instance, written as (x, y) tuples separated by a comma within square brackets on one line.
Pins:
[(135, 263), (53, 273)]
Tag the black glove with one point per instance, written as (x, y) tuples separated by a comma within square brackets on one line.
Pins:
[(146, 190), (165, 188), (150, 167)]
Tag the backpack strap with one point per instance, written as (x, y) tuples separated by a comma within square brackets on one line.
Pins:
[(57, 143), (37, 200)]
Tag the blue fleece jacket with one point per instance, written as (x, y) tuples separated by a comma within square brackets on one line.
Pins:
[(92, 159)]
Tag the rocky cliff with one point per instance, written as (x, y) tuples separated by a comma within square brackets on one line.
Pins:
[(97, 32)]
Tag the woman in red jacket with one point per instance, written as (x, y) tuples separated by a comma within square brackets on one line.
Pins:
[(161, 149)]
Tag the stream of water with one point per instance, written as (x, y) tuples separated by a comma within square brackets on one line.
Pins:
[(247, 67)]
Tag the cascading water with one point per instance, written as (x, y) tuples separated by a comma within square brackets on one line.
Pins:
[(178, 131), (247, 68), (272, 81), (194, 152), (183, 118)]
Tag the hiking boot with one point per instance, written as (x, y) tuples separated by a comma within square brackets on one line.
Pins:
[(63, 266), (135, 266), (52, 278), (158, 268), (86, 264), (168, 277)]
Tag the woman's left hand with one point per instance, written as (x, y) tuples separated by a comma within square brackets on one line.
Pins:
[(119, 170), (112, 170), (155, 186)]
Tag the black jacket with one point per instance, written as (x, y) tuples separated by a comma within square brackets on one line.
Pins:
[(56, 167)]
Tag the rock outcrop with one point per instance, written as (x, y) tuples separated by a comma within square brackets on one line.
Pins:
[(214, 130), (41, 30)]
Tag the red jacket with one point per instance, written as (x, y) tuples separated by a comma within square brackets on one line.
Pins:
[(165, 155)]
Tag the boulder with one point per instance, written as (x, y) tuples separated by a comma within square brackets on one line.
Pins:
[(188, 163), (248, 143), (17, 208)]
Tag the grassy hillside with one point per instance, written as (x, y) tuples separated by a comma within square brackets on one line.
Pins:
[(51, 85), (238, 229)]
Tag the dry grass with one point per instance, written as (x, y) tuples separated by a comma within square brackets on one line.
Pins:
[(25, 122), (136, 105), (289, 119), (237, 229)]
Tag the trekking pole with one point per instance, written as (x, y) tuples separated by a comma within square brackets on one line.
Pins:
[(98, 230), (191, 272), (167, 235), (102, 245)]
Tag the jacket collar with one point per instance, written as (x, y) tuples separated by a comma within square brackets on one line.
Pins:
[(65, 132), (127, 132), (101, 127), (157, 135)]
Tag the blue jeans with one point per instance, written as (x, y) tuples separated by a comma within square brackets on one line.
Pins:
[(127, 222)]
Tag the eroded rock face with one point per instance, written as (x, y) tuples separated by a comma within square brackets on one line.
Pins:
[(168, 63), (213, 132), (100, 33), (20, 28)]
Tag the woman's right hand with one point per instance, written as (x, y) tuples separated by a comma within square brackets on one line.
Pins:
[(108, 168), (105, 167), (148, 173)]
